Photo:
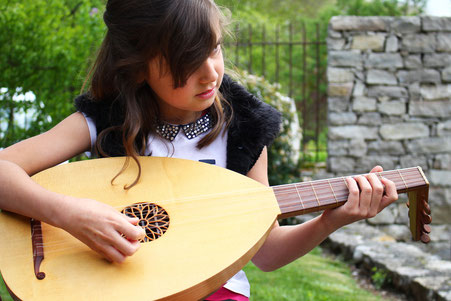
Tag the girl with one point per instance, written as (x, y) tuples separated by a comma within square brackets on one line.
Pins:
[(158, 88)]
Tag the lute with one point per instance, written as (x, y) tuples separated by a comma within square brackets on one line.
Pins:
[(203, 224)]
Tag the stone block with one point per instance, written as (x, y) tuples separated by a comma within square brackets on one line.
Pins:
[(422, 76), (430, 76), (384, 61), (351, 58), (337, 104), (340, 89), (436, 24), (441, 178), (407, 77), (429, 145), (402, 131), (413, 61), (405, 25), (444, 42), (438, 199), (342, 118), (365, 164), (334, 34), (414, 92), (339, 75), (442, 161), (419, 43), (353, 23), (368, 42), (357, 148), (372, 118), (383, 147), (391, 44), (391, 92), (446, 75), (352, 132), (444, 128), (399, 232), (385, 217), (440, 109), (410, 161), (434, 92), (359, 89), (338, 147), (335, 44), (341, 164), (438, 60), (380, 77), (395, 107), (364, 104)]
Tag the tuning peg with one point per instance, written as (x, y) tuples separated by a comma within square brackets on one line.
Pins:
[(426, 207), (426, 229), (425, 238), (426, 218)]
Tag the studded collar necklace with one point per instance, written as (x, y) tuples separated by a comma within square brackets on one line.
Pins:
[(191, 130)]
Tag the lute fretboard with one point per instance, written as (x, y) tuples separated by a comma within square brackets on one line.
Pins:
[(305, 197)]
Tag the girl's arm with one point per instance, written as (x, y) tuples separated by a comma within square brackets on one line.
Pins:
[(287, 243), (94, 223)]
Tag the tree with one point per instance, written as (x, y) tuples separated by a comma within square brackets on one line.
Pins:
[(44, 47)]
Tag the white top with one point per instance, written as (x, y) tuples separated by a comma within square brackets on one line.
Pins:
[(183, 148)]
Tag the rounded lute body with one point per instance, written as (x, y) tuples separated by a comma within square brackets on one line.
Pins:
[(217, 221)]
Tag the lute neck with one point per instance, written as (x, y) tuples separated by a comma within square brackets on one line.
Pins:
[(306, 197)]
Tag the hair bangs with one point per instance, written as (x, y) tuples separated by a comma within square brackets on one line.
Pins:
[(190, 41)]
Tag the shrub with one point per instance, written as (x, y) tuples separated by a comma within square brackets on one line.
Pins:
[(283, 155)]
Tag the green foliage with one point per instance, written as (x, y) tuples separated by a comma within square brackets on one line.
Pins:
[(283, 155), (380, 277), (312, 277), (44, 47), (380, 7), (276, 10)]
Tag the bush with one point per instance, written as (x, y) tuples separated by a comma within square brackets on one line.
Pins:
[(284, 153)]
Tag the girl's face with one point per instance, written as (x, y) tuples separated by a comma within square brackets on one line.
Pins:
[(185, 104)]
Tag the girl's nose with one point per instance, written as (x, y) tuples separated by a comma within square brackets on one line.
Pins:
[(208, 70)]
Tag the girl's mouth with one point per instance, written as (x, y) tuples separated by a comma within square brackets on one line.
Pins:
[(207, 94)]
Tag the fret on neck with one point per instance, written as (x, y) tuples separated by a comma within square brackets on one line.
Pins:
[(300, 198)]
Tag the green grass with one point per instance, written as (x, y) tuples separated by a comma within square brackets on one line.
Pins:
[(4, 295), (313, 277)]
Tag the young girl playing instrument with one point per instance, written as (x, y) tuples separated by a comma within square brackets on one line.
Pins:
[(158, 88)]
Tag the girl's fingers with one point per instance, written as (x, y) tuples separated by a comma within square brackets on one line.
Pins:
[(366, 193), (377, 169), (391, 194), (130, 228), (123, 245), (378, 192), (354, 194), (131, 220), (112, 254)]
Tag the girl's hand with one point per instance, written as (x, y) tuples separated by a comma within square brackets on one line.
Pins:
[(101, 227), (367, 197)]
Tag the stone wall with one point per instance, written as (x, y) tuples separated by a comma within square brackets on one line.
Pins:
[(390, 100)]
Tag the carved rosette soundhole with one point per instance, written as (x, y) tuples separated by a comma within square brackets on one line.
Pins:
[(152, 218)]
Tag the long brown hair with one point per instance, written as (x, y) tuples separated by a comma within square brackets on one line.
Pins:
[(183, 33)]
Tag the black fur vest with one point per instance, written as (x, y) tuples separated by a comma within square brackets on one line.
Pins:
[(254, 125)]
